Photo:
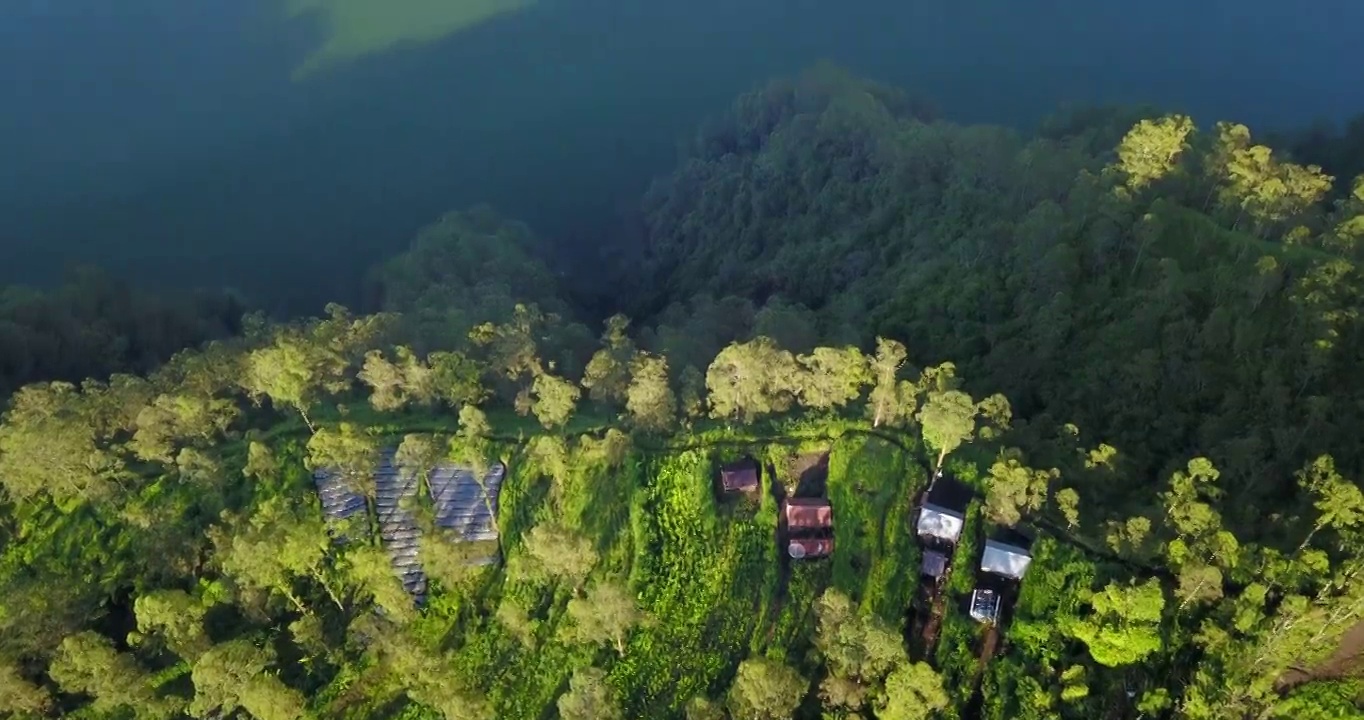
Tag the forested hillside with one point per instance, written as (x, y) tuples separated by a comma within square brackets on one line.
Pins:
[(94, 325), (1133, 342), (1189, 291)]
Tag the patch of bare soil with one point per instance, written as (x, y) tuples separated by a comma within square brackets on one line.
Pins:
[(1347, 660), (988, 647), (811, 472), (933, 624)]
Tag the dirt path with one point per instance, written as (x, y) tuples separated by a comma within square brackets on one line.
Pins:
[(933, 624), (988, 648), (1346, 660)]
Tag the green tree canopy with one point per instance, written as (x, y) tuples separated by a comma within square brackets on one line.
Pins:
[(1125, 625), (765, 690)]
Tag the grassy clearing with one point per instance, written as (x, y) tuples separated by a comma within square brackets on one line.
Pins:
[(706, 568)]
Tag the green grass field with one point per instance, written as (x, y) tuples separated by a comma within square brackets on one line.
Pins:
[(706, 568)]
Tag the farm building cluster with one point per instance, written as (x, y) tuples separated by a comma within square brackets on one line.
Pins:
[(464, 506), (1003, 562), (806, 523)]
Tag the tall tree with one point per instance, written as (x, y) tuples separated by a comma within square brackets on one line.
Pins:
[(553, 399), (747, 380), (419, 454), (172, 420), (471, 444), (1015, 489), (174, 618), (606, 614), (88, 664), (349, 450), (649, 400), (948, 419), (607, 376), (302, 364), (556, 553), (50, 443), (1339, 503), (832, 377), (261, 462), (914, 691), (860, 651), (765, 690), (237, 674), (588, 698), (272, 548), (1125, 625), (455, 378), (1200, 549), (20, 696), (397, 385), (1152, 149), (886, 401)]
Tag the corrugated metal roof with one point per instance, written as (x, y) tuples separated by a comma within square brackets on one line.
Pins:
[(939, 522), (934, 564), (808, 513), (1006, 560), (740, 475)]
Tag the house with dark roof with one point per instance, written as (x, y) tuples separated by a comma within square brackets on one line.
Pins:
[(942, 515), (741, 476), (809, 527)]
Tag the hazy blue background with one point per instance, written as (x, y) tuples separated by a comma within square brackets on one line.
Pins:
[(176, 141)]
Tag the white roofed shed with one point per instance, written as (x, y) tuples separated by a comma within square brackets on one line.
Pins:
[(1003, 559)]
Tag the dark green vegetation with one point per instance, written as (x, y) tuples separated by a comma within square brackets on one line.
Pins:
[(1171, 313)]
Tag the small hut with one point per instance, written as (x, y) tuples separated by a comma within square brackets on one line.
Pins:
[(740, 476), (943, 513), (1003, 559), (934, 564)]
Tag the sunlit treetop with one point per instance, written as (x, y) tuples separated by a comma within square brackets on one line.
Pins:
[(352, 29)]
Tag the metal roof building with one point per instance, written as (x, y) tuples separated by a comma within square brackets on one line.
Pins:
[(934, 564), (464, 505), (943, 513), (741, 476), (1003, 559), (808, 513), (939, 522)]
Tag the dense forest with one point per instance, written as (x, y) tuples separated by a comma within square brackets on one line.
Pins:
[(1133, 339)]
